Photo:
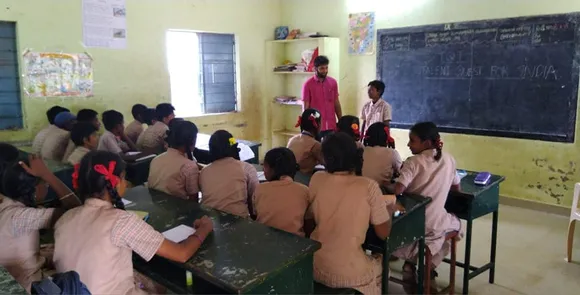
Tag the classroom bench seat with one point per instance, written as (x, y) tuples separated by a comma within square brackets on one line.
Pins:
[(323, 289)]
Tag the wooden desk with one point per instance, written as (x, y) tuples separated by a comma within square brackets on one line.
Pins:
[(473, 202), (406, 229), (201, 151), (9, 285), (137, 172), (240, 256)]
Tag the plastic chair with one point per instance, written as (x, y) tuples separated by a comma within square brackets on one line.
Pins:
[(574, 215)]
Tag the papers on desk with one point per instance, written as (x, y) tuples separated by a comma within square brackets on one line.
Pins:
[(246, 152), (132, 153), (179, 233), (126, 202), (142, 158), (261, 176), (202, 141), (461, 173)]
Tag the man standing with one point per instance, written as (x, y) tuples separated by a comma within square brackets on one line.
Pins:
[(321, 92)]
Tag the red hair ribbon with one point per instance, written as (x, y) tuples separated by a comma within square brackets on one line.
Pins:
[(75, 177), (108, 173), (312, 119), (355, 130), (439, 143), (299, 122)]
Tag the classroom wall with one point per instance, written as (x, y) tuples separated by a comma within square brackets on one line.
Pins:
[(538, 171), (139, 73)]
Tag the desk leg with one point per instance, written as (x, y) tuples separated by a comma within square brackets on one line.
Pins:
[(386, 270), (493, 246), (467, 260), (421, 266)]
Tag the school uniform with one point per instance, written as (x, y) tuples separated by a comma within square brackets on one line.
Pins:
[(282, 204), (20, 252), (343, 205), (54, 146), (173, 173), (307, 150), (77, 155), (70, 147), (133, 130), (227, 184), (41, 137), (153, 138), (111, 143), (421, 174), (380, 163), (379, 111), (97, 241)]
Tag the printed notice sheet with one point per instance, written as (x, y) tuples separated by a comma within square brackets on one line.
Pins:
[(104, 24)]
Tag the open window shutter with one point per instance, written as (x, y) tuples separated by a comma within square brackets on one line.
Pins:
[(10, 104), (218, 79)]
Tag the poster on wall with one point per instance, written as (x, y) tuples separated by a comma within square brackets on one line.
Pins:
[(104, 24), (49, 74), (361, 33)]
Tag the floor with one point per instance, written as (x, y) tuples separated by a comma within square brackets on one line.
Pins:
[(531, 254)]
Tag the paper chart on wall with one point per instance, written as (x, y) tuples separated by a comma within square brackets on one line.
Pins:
[(104, 24), (361, 33), (48, 74)]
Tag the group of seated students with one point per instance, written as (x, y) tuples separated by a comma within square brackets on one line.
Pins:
[(96, 239)]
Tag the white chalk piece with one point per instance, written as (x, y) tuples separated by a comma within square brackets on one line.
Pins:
[(179, 233)]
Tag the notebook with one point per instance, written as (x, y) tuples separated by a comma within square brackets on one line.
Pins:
[(179, 233)]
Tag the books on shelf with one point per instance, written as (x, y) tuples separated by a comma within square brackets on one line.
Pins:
[(289, 100)]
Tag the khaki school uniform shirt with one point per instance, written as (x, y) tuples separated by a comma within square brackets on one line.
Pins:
[(376, 112), (380, 163), (153, 138), (40, 138), (110, 143), (307, 150), (282, 204), (227, 185), (19, 240), (173, 173), (421, 174), (133, 130), (343, 205), (97, 241), (77, 155), (55, 144)]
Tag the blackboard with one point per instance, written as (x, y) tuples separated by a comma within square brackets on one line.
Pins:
[(513, 77)]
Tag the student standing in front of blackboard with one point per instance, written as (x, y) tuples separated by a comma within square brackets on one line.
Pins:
[(376, 110)]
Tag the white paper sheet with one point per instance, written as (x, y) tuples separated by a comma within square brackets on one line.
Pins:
[(126, 202), (179, 233), (132, 153), (104, 24), (261, 176), (246, 152), (146, 157)]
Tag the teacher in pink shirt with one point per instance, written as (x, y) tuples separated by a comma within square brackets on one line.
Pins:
[(321, 93)]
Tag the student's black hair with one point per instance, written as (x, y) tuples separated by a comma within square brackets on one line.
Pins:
[(137, 111), (182, 134), (87, 115), (321, 60), (345, 124), (282, 161), (82, 131), (111, 119), (52, 112), (341, 154), (307, 120), (149, 116), (175, 121), (17, 184), (378, 85), (428, 131), (92, 184), (163, 110), (8, 152), (220, 146), (376, 135)]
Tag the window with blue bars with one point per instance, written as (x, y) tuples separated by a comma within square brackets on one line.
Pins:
[(10, 103)]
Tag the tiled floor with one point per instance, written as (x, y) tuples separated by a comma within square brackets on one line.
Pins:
[(531, 253)]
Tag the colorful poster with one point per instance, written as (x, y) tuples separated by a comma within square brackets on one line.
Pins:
[(361, 33), (105, 24), (57, 74)]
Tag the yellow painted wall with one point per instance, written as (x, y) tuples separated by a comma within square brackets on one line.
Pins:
[(139, 74), (538, 171)]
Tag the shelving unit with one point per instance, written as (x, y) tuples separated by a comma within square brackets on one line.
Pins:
[(280, 118)]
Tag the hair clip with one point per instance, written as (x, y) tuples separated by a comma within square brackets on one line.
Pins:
[(299, 122), (354, 126), (232, 141), (108, 173), (75, 177), (312, 119)]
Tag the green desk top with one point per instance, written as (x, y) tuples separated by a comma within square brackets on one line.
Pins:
[(238, 255), (8, 285), (472, 190)]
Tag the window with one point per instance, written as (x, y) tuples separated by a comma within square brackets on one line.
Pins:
[(10, 104), (202, 71)]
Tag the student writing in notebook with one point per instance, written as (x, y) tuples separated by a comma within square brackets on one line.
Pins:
[(97, 239)]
